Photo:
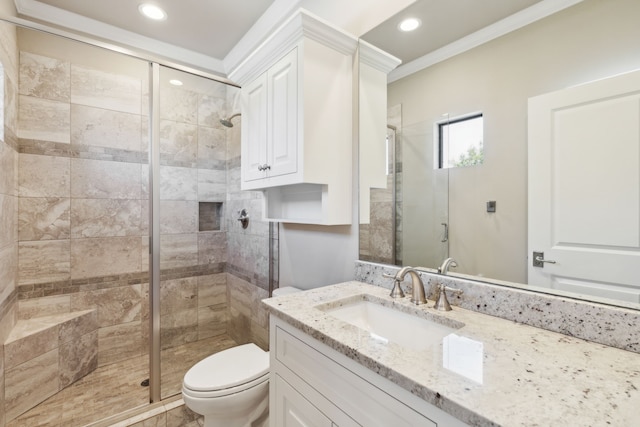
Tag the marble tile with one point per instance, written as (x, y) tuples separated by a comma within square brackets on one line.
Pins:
[(246, 299), (212, 321), (260, 335), (159, 420), (212, 247), (44, 218), (9, 48), (105, 128), (212, 145), (178, 217), (45, 306), (8, 170), (183, 417), (44, 77), (118, 342), (44, 120), (179, 105), (114, 388), (212, 185), (144, 181), (178, 295), (212, 289), (178, 250), (118, 305), (100, 89), (34, 182), (8, 220), (8, 269), (179, 142), (144, 253), (29, 340), (7, 322), (73, 329), (78, 358), (239, 326), (105, 218), (11, 103), (105, 256), (211, 109), (144, 319), (31, 383), (44, 261), (97, 179), (178, 328), (178, 183)]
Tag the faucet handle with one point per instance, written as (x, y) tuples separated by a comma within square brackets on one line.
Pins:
[(442, 303), (397, 291)]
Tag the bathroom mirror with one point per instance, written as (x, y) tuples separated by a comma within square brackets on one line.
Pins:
[(483, 209)]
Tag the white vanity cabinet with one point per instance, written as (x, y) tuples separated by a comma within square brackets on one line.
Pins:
[(314, 385), (297, 130)]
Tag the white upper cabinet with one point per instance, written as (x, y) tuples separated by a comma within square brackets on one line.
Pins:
[(270, 122), (297, 122)]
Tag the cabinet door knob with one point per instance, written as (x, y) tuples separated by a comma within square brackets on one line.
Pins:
[(264, 167)]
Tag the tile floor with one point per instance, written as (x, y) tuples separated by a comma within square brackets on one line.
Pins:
[(115, 388)]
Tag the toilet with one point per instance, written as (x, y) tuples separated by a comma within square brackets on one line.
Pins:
[(231, 388)]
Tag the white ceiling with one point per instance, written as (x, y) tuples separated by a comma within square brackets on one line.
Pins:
[(443, 22), (216, 35), (210, 27)]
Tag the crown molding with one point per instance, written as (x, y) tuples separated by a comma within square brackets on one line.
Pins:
[(302, 24), (377, 58), (511, 23), (34, 9), (273, 17)]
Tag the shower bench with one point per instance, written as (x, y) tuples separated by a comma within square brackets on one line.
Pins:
[(43, 355)]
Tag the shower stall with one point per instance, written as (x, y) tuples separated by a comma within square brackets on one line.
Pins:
[(126, 263)]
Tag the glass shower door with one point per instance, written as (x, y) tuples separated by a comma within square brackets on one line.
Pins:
[(192, 186)]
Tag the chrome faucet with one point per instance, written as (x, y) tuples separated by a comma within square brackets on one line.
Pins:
[(417, 287), (444, 268)]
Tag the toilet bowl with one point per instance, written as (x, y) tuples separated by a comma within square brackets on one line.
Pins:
[(230, 388)]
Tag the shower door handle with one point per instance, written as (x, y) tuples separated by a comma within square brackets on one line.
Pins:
[(445, 236)]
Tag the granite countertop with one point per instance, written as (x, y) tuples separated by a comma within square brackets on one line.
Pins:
[(499, 372)]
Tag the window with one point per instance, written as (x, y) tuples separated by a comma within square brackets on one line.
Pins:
[(460, 141)]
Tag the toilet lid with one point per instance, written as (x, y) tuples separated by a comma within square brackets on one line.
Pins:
[(228, 368)]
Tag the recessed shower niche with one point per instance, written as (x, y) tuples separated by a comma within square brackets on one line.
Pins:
[(209, 216)]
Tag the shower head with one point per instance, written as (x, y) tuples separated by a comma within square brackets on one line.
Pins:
[(227, 122)]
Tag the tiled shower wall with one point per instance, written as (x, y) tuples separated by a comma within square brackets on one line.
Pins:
[(247, 255), (83, 192), (83, 217), (8, 191)]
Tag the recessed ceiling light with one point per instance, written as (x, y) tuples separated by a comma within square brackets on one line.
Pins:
[(409, 24), (152, 11), (175, 82)]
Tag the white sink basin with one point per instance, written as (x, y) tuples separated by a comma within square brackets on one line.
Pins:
[(390, 325)]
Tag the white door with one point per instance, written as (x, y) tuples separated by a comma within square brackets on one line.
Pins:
[(283, 116), (254, 129), (584, 188)]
